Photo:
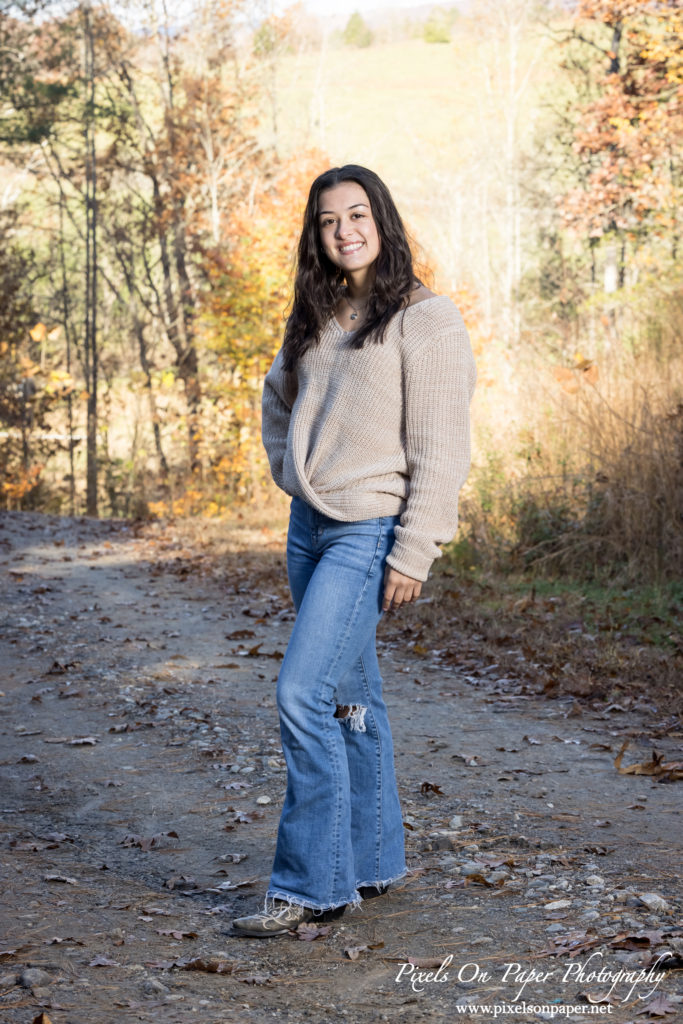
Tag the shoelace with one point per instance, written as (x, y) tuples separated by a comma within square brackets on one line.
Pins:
[(286, 912)]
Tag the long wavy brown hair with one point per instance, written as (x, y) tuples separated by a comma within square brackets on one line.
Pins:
[(319, 284)]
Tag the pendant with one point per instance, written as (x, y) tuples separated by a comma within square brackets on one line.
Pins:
[(354, 316)]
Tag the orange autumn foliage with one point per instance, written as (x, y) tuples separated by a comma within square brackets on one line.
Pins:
[(240, 324), (630, 135), (251, 282)]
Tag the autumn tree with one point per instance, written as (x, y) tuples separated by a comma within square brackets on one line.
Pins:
[(629, 135), (52, 83), (140, 146), (33, 387), (243, 313), (16, 385), (193, 156)]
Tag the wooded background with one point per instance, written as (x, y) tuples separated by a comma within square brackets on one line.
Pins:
[(154, 163)]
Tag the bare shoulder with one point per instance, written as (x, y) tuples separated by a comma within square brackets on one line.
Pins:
[(420, 294)]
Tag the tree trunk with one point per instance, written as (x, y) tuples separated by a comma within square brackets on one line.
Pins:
[(90, 339), (139, 328), (614, 63), (66, 311), (188, 362)]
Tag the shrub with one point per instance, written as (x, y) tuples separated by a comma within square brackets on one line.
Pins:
[(357, 32), (437, 27)]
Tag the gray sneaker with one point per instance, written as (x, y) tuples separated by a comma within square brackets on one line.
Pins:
[(277, 918)]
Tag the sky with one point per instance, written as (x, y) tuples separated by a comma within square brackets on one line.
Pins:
[(322, 7), (332, 7)]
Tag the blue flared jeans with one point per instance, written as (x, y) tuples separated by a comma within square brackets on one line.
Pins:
[(341, 825)]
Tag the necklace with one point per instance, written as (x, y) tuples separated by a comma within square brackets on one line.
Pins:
[(356, 312)]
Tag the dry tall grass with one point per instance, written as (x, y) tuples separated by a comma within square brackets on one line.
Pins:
[(578, 468)]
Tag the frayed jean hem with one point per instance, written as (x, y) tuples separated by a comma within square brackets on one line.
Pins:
[(384, 882), (317, 908), (320, 908)]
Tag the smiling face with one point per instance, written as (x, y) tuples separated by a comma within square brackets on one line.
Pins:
[(348, 233)]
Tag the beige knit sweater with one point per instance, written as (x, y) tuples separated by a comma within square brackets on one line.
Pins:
[(381, 430)]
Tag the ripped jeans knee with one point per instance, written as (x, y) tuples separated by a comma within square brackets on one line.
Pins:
[(353, 715)]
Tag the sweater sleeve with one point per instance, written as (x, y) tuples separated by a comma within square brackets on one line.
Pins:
[(439, 383), (275, 417)]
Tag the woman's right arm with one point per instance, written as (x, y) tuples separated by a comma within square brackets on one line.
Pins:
[(275, 417)]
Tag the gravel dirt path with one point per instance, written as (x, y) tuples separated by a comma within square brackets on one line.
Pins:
[(141, 779)]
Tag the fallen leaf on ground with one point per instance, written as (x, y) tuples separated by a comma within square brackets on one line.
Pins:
[(479, 879), (42, 1018), (211, 965), (308, 932), (58, 837), (31, 845), (59, 878), (83, 741), (103, 961), (431, 787), (241, 819), (495, 862), (471, 760), (663, 960), (353, 952), (57, 669), (642, 940), (255, 979), (149, 842), (180, 882), (576, 943), (594, 1000), (228, 885), (419, 961), (671, 772), (9, 954), (176, 934), (660, 1006)]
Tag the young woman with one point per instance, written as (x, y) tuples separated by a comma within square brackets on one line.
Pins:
[(366, 426)]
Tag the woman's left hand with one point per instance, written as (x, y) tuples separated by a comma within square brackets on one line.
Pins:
[(399, 589)]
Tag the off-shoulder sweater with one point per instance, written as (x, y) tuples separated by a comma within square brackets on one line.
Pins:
[(380, 430)]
